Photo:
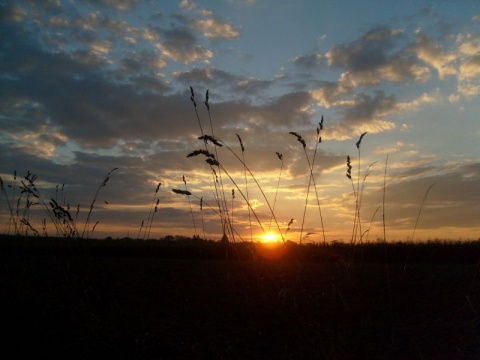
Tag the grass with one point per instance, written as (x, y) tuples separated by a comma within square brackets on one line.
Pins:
[(223, 190), (171, 299), (178, 298)]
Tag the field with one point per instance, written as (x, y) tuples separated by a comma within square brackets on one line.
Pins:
[(126, 299)]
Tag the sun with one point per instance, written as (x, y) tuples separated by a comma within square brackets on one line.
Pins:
[(269, 237)]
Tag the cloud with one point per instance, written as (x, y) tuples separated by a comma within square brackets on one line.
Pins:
[(281, 114), (42, 142), (327, 93), (432, 54), (468, 89), (470, 68), (205, 76), (364, 114), (468, 83), (452, 190), (117, 4), (181, 45), (12, 13), (212, 28), (89, 108), (365, 53), (468, 44), (83, 92), (209, 26), (187, 5), (416, 103), (377, 56), (310, 61), (374, 57), (253, 86), (138, 62)]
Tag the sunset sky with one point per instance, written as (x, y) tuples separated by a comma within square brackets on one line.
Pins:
[(88, 86)]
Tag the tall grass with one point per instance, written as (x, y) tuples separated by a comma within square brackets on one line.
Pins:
[(86, 227), (151, 214), (225, 197), (311, 179), (219, 172), (358, 179), (56, 210)]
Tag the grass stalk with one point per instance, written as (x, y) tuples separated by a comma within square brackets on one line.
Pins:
[(311, 179), (87, 222), (190, 205), (280, 157), (151, 212), (219, 194), (420, 210), (201, 216), (246, 186), (12, 217)]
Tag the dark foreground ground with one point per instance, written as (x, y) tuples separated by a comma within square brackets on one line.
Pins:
[(75, 301)]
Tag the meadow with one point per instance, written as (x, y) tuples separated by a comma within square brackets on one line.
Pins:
[(188, 298), (66, 294)]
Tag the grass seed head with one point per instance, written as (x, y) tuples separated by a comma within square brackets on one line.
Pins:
[(212, 162), (192, 97), (241, 143), (207, 138), (299, 138), (201, 152), (206, 100), (360, 140), (182, 192), (349, 168)]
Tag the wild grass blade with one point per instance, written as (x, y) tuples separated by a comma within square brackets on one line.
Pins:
[(420, 210), (246, 186), (190, 205), (280, 157), (87, 222)]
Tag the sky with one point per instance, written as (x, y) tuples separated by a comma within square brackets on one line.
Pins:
[(91, 86)]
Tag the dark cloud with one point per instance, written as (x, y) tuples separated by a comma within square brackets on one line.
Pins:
[(84, 102), (216, 79), (11, 13), (367, 53), (181, 44), (367, 107), (280, 114)]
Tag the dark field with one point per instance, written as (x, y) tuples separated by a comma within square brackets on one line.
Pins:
[(193, 300)]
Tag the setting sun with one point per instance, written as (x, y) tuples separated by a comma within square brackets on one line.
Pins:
[(269, 237)]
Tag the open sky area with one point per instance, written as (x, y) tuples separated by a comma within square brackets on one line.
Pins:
[(89, 86)]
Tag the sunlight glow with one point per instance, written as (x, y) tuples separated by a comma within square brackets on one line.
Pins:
[(269, 237)]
